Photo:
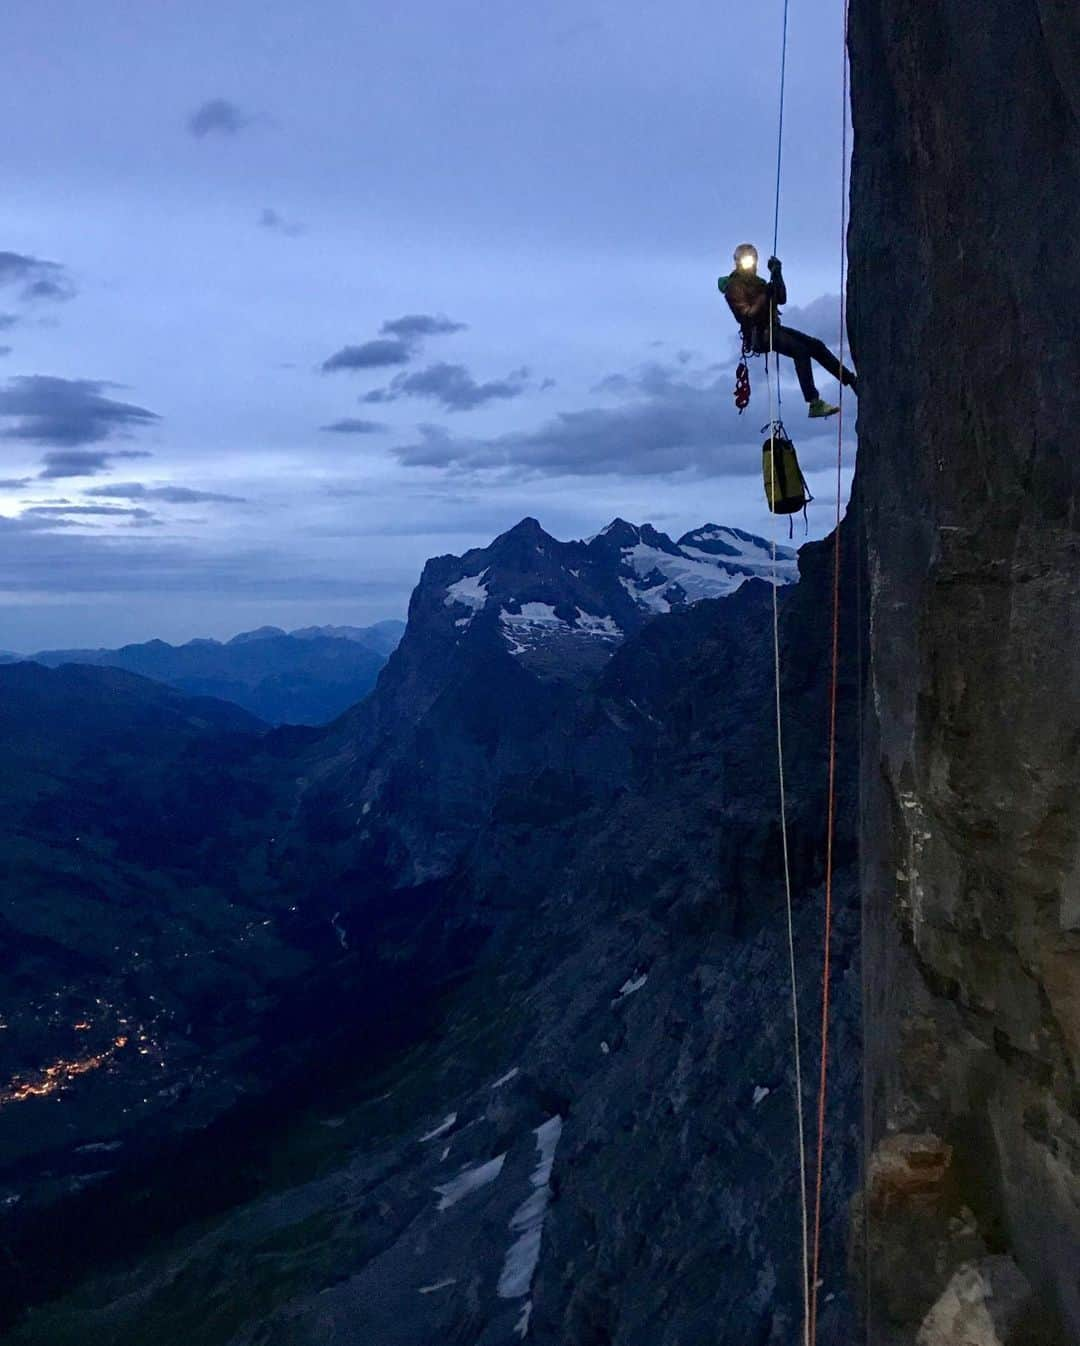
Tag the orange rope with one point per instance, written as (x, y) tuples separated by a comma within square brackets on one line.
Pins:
[(833, 698)]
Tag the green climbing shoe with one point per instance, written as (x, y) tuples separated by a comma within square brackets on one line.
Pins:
[(819, 407)]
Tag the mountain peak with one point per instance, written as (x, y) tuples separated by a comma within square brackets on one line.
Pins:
[(260, 633), (561, 608), (718, 540), (527, 529), (619, 532)]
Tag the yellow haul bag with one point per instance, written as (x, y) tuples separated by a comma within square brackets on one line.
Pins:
[(785, 486)]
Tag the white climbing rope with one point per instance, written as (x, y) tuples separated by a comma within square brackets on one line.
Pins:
[(774, 412)]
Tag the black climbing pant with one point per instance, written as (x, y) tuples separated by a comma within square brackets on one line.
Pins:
[(803, 349)]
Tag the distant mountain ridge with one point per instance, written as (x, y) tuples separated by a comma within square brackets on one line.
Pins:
[(307, 676), (562, 608), (382, 637)]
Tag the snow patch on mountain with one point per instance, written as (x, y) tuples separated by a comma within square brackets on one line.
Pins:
[(471, 590), (441, 1129), (653, 599), (588, 623), (629, 987), (523, 629), (531, 613), (432, 1289), (534, 623), (527, 1221), (733, 543), (664, 578), (470, 1181)]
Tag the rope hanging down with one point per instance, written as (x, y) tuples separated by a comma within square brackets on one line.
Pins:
[(773, 425), (833, 698)]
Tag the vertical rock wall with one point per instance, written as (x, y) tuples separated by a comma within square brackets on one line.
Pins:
[(965, 312)]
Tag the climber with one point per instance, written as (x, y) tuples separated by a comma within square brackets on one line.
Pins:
[(750, 299)]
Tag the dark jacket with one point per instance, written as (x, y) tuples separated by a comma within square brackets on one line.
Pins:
[(749, 298)]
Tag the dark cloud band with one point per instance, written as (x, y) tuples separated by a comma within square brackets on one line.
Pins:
[(415, 326), (66, 412), (171, 495), (352, 425), (278, 224), (83, 462), (105, 510), (217, 116), (452, 386), (378, 354), (670, 421), (36, 280), (399, 340)]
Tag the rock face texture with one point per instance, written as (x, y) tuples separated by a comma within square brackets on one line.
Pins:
[(985, 1304), (965, 291)]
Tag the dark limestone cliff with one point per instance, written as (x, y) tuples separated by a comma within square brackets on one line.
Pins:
[(965, 313)]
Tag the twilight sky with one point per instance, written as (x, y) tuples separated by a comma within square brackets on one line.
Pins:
[(295, 296)]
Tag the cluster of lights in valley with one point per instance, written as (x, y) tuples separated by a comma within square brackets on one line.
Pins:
[(56, 1077)]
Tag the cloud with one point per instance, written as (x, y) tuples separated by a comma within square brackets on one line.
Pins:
[(819, 318), (352, 425), (378, 354), (270, 219), (15, 267), (83, 462), (48, 288), (29, 523), (13, 483), (400, 339), (108, 510), (217, 116), (414, 326), (6, 350), (172, 495), (452, 386), (655, 380), (50, 410), (672, 421), (7, 321), (36, 280), (49, 555)]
